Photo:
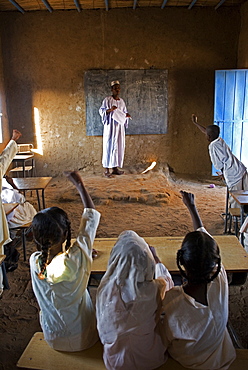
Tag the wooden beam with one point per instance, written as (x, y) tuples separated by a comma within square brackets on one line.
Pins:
[(77, 5), (192, 4), (220, 3), (13, 2), (164, 3), (47, 5)]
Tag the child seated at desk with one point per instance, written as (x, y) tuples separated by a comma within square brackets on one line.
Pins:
[(196, 313), (129, 303), (23, 212), (60, 277)]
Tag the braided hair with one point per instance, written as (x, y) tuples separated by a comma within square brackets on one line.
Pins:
[(199, 256), (50, 226)]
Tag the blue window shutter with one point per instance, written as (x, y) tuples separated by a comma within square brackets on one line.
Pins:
[(231, 110)]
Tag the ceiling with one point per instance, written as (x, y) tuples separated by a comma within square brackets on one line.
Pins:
[(25, 6)]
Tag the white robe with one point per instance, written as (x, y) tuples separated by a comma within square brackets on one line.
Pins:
[(223, 159), (128, 306), (196, 335), (23, 213), (5, 160), (67, 314), (114, 124)]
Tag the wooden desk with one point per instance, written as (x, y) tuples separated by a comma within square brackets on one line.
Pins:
[(234, 257), (241, 197), (21, 159), (33, 183)]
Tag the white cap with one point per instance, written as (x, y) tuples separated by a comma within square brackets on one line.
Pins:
[(115, 83)]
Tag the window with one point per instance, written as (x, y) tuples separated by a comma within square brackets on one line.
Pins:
[(231, 110)]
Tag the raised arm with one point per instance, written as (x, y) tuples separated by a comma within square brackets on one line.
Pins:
[(76, 179), (189, 201), (194, 120)]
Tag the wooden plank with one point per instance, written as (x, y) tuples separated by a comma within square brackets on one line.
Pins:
[(38, 355), (234, 257)]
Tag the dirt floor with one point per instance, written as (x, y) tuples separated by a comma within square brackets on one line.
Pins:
[(148, 203)]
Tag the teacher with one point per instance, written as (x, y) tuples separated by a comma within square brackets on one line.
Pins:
[(115, 117)]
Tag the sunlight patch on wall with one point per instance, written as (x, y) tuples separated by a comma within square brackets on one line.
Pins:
[(39, 149)]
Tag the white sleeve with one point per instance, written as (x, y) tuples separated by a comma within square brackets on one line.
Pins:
[(87, 230), (162, 272)]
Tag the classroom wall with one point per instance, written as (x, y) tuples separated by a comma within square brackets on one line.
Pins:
[(45, 56), (243, 44)]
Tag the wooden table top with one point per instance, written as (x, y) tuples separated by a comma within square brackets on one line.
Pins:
[(31, 183), (22, 157), (233, 255), (241, 196)]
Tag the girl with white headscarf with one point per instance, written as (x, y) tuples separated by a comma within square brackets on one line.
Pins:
[(128, 305)]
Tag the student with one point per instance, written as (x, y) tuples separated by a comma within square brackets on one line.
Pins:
[(6, 158), (24, 212), (196, 313), (59, 278), (234, 171), (128, 305), (114, 116)]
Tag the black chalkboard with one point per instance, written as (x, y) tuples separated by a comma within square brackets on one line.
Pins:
[(144, 92)]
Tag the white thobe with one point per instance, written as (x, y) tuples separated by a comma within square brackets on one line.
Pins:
[(223, 159), (114, 124), (67, 314), (196, 335), (23, 213), (128, 306), (5, 160)]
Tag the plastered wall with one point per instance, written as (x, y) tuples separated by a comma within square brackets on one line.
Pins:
[(45, 56), (243, 44)]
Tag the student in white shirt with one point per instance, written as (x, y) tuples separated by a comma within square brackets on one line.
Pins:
[(60, 275), (233, 170), (129, 303), (196, 313)]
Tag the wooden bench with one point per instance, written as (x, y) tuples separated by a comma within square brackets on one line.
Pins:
[(38, 355)]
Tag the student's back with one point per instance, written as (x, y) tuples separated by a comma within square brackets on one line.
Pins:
[(60, 278), (128, 306), (196, 313)]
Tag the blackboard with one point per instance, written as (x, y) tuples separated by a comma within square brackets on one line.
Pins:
[(144, 92)]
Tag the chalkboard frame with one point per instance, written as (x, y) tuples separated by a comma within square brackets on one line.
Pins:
[(145, 93)]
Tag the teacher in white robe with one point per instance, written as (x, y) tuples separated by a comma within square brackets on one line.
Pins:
[(115, 118)]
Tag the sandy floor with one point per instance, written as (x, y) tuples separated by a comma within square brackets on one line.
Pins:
[(151, 205)]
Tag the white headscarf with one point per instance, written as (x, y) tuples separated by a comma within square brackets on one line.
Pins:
[(128, 302)]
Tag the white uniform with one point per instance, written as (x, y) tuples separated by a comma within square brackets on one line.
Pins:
[(114, 124), (23, 213), (128, 306), (6, 158), (67, 314), (223, 159), (194, 334)]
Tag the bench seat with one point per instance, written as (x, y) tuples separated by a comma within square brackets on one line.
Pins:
[(38, 355)]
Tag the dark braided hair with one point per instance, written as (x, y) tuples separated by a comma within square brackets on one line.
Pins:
[(50, 226), (199, 256)]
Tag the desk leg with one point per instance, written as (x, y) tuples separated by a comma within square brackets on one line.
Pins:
[(226, 210), (38, 199), (242, 218), (43, 198), (23, 169)]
